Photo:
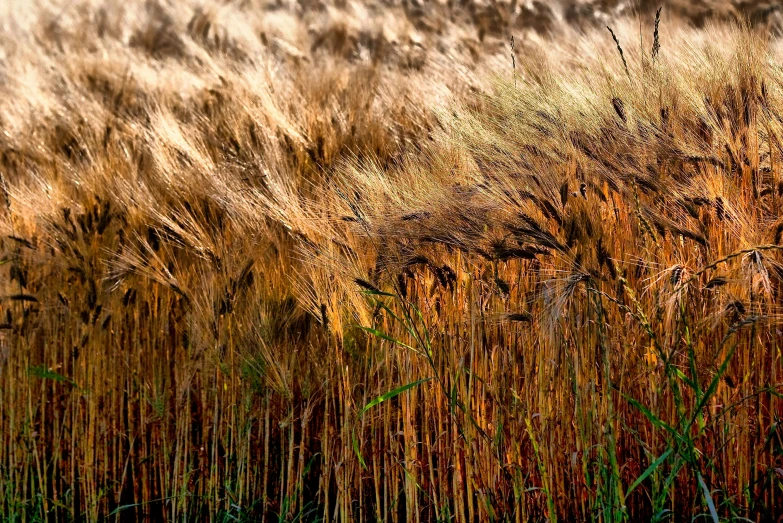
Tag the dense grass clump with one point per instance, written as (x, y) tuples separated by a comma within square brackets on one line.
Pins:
[(353, 263)]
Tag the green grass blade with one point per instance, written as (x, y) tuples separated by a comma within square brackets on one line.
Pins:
[(692, 384), (708, 497), (652, 417), (391, 394), (370, 292), (46, 374), (380, 399), (713, 385), (386, 337), (657, 463), (356, 450), (140, 504), (426, 341)]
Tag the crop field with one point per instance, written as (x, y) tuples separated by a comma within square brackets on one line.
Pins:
[(391, 260)]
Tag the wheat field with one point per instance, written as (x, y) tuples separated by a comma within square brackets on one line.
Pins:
[(395, 261)]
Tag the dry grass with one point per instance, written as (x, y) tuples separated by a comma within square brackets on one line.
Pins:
[(346, 262)]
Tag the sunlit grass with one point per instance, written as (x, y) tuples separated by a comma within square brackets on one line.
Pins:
[(363, 265)]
